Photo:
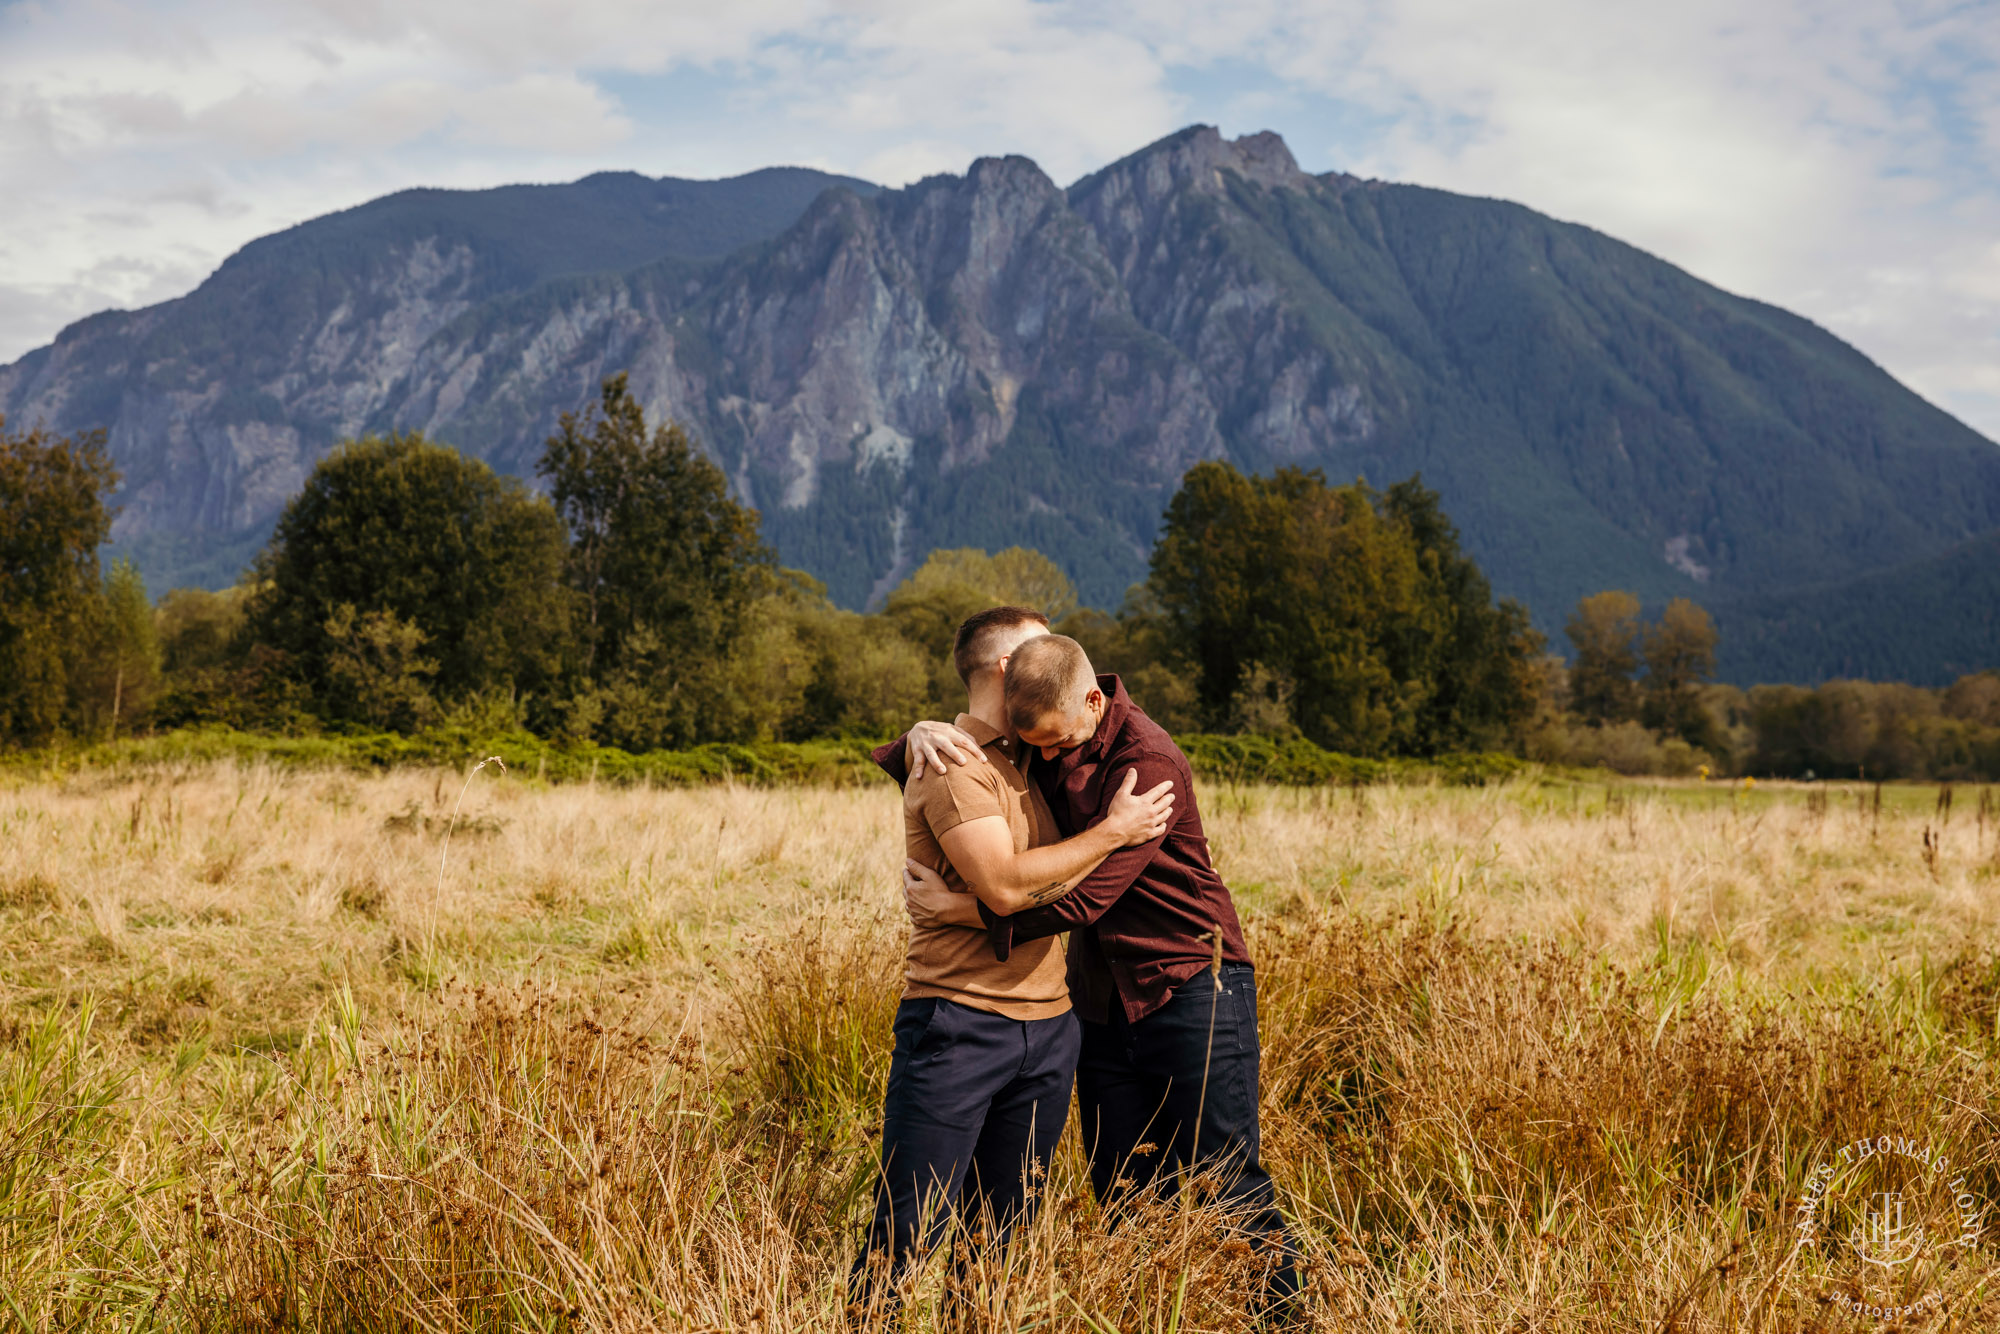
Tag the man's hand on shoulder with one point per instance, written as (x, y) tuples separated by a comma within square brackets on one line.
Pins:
[(1140, 817), (930, 743)]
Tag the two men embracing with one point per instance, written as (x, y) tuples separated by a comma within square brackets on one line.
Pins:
[(1053, 805)]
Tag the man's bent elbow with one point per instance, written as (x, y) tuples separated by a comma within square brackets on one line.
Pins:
[(1005, 901)]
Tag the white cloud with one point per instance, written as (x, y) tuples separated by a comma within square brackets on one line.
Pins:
[(1840, 160), (1843, 161), (995, 76), (1791, 152), (542, 113)]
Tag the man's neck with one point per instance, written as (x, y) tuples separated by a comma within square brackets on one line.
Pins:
[(987, 701)]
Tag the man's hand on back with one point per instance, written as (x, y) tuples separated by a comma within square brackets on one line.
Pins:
[(930, 743), (931, 902), (1140, 817)]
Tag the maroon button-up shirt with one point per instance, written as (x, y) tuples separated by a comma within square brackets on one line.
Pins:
[(1139, 918)]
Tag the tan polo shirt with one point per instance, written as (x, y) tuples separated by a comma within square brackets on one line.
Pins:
[(956, 962)]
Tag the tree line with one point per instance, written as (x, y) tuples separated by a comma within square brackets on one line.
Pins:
[(1638, 697), (634, 604)]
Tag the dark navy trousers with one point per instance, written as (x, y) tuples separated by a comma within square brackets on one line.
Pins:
[(1182, 1083), (975, 1102)]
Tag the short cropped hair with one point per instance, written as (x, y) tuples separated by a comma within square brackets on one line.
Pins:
[(972, 646), (1047, 674)]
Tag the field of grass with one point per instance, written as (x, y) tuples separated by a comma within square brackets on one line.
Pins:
[(1538, 1056)]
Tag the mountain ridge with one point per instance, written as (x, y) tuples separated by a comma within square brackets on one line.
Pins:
[(991, 359)]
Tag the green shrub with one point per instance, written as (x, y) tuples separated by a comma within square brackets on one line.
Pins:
[(1300, 763), (763, 764), (1233, 759)]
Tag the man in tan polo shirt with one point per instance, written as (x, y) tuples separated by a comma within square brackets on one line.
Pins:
[(979, 1081)]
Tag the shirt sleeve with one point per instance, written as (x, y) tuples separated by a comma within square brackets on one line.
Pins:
[(962, 792), (1103, 887), (893, 759)]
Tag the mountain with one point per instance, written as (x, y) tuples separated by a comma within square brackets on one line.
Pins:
[(219, 403), (992, 359)]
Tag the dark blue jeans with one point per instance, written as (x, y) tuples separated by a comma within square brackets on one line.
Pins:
[(1184, 1081), (976, 1101)]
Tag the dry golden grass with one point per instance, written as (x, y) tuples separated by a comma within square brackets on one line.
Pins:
[(1537, 1057)]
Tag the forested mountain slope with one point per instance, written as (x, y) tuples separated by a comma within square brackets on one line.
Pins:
[(1929, 621)]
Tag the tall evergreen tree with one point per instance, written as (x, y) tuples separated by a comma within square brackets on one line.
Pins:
[(1217, 534), (1483, 664)]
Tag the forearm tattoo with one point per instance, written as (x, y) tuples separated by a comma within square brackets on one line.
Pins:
[(1053, 890)]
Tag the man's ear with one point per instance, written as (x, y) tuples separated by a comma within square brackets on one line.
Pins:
[(1093, 700)]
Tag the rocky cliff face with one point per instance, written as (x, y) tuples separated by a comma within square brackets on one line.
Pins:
[(991, 359), (207, 445), (218, 404)]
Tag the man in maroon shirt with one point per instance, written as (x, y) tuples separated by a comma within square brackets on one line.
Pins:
[(1167, 1080)]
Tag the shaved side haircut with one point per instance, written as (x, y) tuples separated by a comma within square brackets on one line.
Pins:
[(1047, 674), (972, 647)]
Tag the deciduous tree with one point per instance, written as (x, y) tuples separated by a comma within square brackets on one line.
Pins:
[(214, 672), (419, 532), (664, 563), (122, 671), (927, 608), (53, 517), (1680, 658), (1352, 609), (1604, 631), (376, 672)]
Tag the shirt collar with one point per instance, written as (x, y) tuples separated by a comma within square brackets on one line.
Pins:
[(983, 732)]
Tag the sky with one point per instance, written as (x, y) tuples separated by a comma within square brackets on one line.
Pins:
[(1838, 159)]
